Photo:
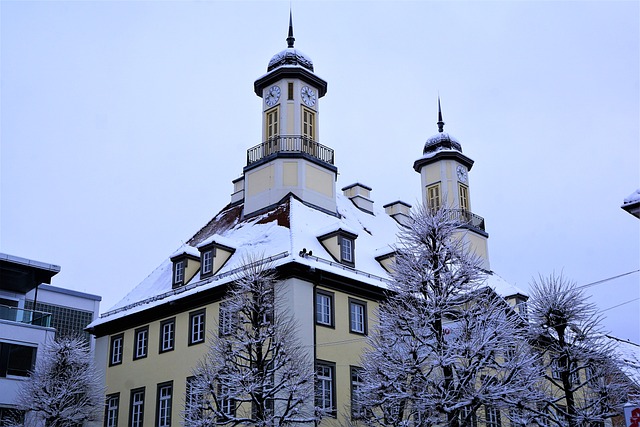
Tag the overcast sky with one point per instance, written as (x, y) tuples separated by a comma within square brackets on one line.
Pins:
[(124, 123)]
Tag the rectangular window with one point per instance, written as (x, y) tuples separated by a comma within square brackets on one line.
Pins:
[(290, 91), (492, 416), (357, 316), (556, 369), (325, 387), (464, 197), (111, 410), (433, 196), (207, 262), (167, 335), (575, 374), (178, 272), (226, 401), (225, 320), (193, 400), (163, 413), (141, 343), (324, 308), (115, 357), (468, 417), (136, 407), (272, 123), (357, 411), (308, 124), (196, 327), (346, 249), (16, 360)]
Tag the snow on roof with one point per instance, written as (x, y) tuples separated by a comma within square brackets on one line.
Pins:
[(629, 354), (279, 236), (501, 286), (633, 198), (186, 249)]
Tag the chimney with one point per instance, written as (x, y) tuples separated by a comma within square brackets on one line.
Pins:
[(238, 191), (399, 211), (360, 195)]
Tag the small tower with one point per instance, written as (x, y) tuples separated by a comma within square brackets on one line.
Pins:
[(290, 158), (445, 184)]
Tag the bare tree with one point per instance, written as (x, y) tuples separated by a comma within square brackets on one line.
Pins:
[(256, 372), (64, 390), (583, 383), (446, 344)]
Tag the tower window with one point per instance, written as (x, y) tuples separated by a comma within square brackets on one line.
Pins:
[(308, 124), (433, 196), (463, 191), (272, 123), (290, 91)]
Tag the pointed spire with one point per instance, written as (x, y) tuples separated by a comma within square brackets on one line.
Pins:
[(440, 122), (290, 38)]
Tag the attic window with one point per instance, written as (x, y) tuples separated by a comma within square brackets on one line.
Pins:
[(178, 272), (213, 257), (185, 266), (341, 245), (207, 261), (346, 249)]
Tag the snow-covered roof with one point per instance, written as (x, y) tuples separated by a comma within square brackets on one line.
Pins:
[(633, 198), (290, 57), (279, 236), (629, 355)]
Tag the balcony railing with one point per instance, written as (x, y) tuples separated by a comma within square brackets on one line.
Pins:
[(467, 218), (29, 317), (290, 144)]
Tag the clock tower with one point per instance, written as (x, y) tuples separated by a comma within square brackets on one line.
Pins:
[(445, 185), (290, 158)]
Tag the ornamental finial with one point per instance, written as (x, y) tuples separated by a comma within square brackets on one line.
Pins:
[(290, 38), (440, 122)]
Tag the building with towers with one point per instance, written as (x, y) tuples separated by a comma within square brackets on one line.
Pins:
[(333, 251)]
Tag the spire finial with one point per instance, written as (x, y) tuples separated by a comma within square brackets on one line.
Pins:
[(290, 38), (440, 122)]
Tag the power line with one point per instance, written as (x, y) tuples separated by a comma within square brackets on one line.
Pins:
[(622, 303), (607, 279)]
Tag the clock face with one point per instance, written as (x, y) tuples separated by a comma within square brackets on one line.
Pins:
[(462, 174), (272, 96), (308, 96)]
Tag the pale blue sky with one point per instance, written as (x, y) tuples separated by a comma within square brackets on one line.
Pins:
[(124, 123)]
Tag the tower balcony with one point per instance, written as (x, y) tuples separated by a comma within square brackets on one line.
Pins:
[(290, 145), (467, 219)]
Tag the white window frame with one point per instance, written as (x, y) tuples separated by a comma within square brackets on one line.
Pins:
[(137, 408), (346, 249), (227, 405), (225, 320), (117, 349), (196, 327), (112, 409), (141, 343), (165, 397), (324, 308), (357, 316), (357, 410), (325, 387), (167, 335), (492, 416), (178, 274), (207, 262)]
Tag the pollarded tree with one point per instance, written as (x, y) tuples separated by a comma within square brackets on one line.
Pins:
[(64, 390), (255, 372), (583, 383), (446, 345)]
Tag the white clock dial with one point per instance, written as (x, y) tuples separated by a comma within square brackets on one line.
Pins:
[(462, 174), (308, 96), (272, 96)]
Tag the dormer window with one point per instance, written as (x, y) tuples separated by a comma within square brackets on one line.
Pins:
[(178, 272), (213, 257), (207, 262), (341, 245), (185, 266), (346, 249)]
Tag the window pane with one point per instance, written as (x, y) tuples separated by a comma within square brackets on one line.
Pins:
[(323, 309)]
